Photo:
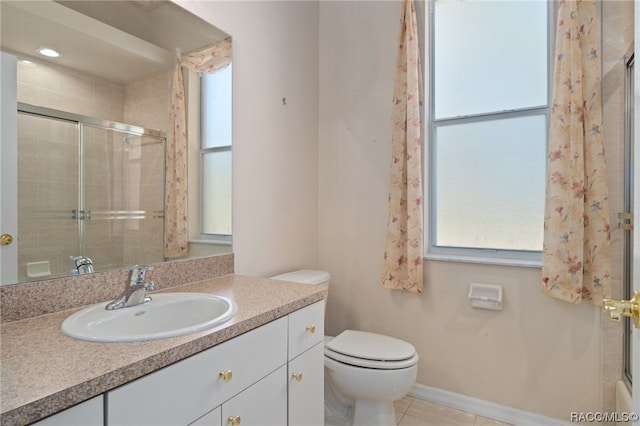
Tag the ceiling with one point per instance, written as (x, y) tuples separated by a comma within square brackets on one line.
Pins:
[(119, 41)]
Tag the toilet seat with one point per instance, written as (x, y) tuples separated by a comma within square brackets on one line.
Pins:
[(371, 350)]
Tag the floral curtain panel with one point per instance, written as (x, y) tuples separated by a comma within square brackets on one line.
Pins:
[(207, 60), (404, 241), (576, 253)]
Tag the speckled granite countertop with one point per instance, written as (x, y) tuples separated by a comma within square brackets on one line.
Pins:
[(43, 371)]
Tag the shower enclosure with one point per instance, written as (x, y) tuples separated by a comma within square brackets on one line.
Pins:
[(86, 187)]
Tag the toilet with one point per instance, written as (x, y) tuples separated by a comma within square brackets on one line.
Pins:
[(364, 372)]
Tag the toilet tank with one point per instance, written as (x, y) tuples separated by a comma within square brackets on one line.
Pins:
[(305, 276)]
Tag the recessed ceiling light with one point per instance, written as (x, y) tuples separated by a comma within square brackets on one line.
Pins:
[(26, 62), (48, 52)]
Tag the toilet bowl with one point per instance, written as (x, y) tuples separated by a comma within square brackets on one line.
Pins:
[(364, 372)]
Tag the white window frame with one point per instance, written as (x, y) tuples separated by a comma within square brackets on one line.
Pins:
[(465, 254), (195, 160)]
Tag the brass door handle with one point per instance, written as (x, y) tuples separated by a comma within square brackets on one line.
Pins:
[(624, 308), (234, 420), (311, 328), (297, 377), (6, 239)]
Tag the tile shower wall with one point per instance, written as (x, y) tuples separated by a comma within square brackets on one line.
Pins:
[(64, 89), (146, 103), (104, 167), (47, 180)]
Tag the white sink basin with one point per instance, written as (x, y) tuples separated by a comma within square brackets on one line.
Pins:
[(167, 315)]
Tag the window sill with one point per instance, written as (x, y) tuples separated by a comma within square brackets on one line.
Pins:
[(213, 242), (485, 260)]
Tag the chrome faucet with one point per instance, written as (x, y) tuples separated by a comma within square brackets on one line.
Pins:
[(135, 289), (83, 265)]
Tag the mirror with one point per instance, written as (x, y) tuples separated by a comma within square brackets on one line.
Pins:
[(91, 132)]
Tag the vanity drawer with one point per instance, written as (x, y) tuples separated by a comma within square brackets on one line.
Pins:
[(306, 328), (186, 390)]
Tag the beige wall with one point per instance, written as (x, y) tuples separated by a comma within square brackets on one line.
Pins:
[(275, 153), (306, 202), (538, 354)]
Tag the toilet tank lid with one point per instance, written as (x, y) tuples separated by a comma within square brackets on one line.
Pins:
[(305, 276)]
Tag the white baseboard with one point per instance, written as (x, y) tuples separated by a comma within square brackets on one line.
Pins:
[(483, 408)]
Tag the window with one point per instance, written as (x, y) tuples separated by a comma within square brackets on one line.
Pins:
[(215, 155), (489, 114)]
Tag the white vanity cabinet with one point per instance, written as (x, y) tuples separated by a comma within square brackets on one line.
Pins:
[(88, 413), (185, 391), (270, 376), (306, 396), (263, 404), (212, 418), (306, 366)]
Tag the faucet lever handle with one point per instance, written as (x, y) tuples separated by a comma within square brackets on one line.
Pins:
[(137, 274)]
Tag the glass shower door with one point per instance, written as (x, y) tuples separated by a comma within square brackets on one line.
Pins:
[(122, 197), (48, 189), (86, 187)]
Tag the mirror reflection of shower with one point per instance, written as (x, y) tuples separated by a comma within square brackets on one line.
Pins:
[(90, 194), (82, 265)]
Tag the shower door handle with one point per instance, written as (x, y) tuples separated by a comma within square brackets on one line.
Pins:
[(625, 221), (624, 308), (80, 214)]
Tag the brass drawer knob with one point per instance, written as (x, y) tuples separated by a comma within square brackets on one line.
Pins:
[(233, 420), (297, 376), (226, 376), (311, 329)]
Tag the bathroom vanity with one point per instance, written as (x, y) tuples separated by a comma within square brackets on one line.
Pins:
[(249, 380), (262, 367)]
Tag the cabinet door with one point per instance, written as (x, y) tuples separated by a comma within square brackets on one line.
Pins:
[(263, 404), (88, 413), (306, 388)]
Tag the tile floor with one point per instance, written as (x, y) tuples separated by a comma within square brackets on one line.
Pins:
[(415, 412)]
